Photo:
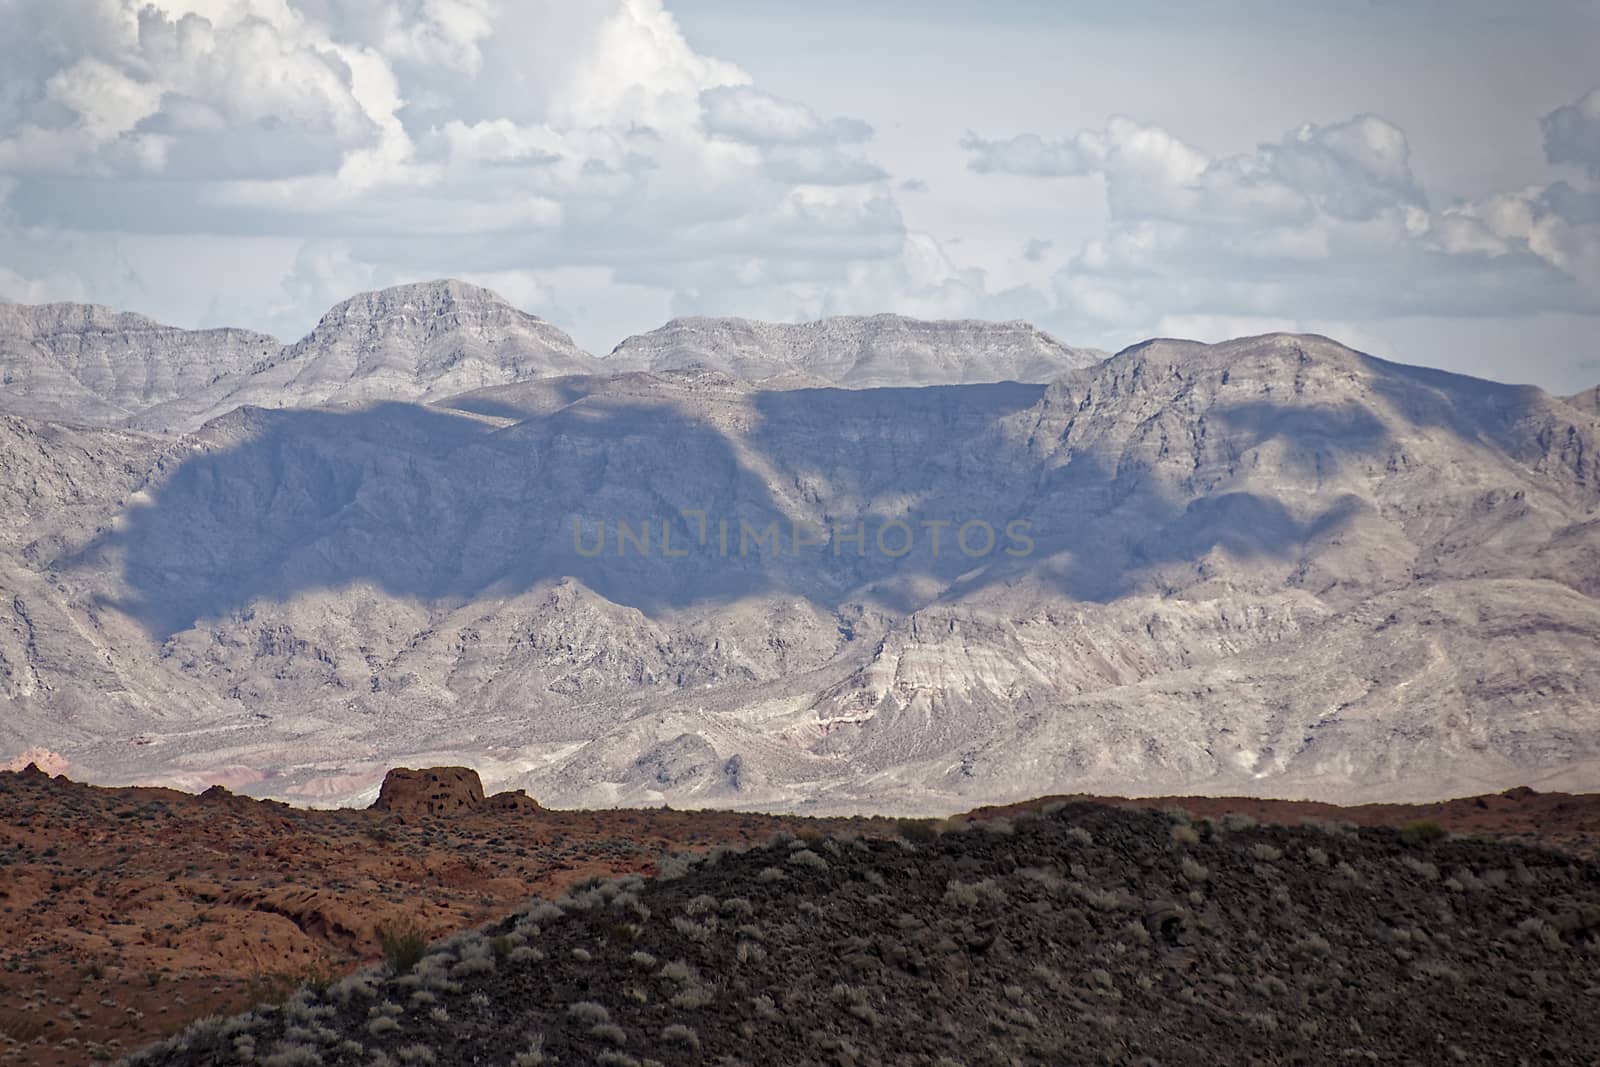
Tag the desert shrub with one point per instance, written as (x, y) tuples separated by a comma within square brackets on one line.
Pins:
[(678, 1034), (544, 912), (678, 971), (700, 905), (971, 894), (1422, 832), (477, 957), (1437, 969), (1183, 834), (589, 1011), (917, 831), (1422, 868), (673, 867), (533, 1055), (692, 930), (693, 998), (403, 946), (806, 858), (1193, 870), (610, 1033), (1265, 852), (1312, 945), (1100, 899), (289, 1055), (1270, 986)]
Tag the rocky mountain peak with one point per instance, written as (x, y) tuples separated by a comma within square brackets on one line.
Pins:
[(420, 301), (411, 342)]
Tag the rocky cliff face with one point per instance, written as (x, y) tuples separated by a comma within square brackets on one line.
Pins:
[(1272, 566), (80, 362), (856, 351)]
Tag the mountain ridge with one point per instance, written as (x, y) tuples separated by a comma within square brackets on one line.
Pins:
[(858, 351), (1273, 566), (430, 340)]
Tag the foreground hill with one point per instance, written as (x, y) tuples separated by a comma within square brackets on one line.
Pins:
[(1081, 934), (856, 351), (140, 910), (1272, 567)]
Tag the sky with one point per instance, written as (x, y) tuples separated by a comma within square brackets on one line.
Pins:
[(1417, 178)]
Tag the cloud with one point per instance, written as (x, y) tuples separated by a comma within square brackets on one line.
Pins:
[(1330, 216), (403, 138), (1032, 156), (255, 160), (744, 113), (1572, 133)]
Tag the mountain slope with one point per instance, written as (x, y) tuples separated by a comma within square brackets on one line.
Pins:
[(856, 351), (1273, 566)]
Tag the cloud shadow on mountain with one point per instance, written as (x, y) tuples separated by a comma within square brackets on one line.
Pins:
[(443, 507)]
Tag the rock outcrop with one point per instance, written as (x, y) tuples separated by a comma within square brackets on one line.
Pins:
[(515, 800), (430, 791)]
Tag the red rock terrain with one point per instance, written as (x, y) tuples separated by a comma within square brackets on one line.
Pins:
[(125, 913)]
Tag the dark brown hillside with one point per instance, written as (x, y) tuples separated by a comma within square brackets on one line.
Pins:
[(1082, 934)]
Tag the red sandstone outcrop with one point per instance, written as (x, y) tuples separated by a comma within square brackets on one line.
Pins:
[(513, 800), (430, 791)]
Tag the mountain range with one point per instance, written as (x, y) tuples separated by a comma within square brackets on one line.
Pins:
[(91, 365), (731, 564)]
